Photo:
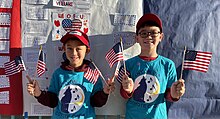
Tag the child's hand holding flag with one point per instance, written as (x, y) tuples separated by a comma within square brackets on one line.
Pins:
[(178, 89), (127, 84), (33, 87)]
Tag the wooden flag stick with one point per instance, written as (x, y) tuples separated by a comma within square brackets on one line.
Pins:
[(184, 53), (123, 55), (116, 70)]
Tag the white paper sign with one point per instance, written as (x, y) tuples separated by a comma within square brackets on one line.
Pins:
[(5, 3), (83, 5), (37, 1), (5, 18), (37, 13), (37, 27), (4, 81), (4, 46), (124, 19), (38, 109), (4, 97), (4, 32), (4, 59), (34, 41)]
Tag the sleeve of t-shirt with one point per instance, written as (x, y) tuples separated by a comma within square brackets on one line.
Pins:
[(98, 97), (172, 75), (168, 96), (124, 94), (48, 98)]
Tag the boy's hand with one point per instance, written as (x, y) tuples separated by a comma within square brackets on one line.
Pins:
[(178, 89), (110, 87), (33, 87), (127, 84)]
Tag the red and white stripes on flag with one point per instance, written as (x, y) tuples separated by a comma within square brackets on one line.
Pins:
[(41, 64), (114, 55), (197, 60), (14, 66), (92, 73)]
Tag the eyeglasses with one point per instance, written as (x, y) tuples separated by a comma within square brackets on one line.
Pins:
[(153, 34)]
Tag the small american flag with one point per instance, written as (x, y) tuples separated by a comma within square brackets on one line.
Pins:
[(114, 55), (197, 60), (41, 65), (121, 73), (92, 73), (14, 66)]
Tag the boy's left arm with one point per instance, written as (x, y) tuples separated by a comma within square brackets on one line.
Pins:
[(177, 89)]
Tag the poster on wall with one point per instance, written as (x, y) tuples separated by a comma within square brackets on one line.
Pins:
[(66, 22)]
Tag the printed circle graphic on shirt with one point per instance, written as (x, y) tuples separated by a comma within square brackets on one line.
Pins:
[(146, 88), (72, 98)]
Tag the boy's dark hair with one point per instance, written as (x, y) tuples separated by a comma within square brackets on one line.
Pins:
[(148, 23)]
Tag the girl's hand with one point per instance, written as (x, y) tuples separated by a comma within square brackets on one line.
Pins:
[(33, 87)]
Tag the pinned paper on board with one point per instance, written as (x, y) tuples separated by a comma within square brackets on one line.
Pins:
[(66, 22)]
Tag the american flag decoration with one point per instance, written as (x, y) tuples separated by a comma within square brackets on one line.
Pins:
[(119, 73), (115, 54), (197, 60), (41, 63), (15, 66), (92, 73)]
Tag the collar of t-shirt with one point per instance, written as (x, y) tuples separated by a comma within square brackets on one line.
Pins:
[(147, 58), (66, 66)]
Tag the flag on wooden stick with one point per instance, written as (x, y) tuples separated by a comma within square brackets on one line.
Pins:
[(197, 60)]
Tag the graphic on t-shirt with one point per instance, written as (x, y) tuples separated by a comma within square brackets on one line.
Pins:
[(146, 88), (71, 98)]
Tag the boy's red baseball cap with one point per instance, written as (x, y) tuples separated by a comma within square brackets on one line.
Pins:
[(148, 17), (76, 34)]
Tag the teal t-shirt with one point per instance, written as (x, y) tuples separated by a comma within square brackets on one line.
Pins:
[(151, 79), (74, 92)]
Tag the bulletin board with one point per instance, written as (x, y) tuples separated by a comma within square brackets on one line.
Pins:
[(11, 94), (44, 22)]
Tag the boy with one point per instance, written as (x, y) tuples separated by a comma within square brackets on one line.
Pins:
[(151, 79), (72, 91)]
